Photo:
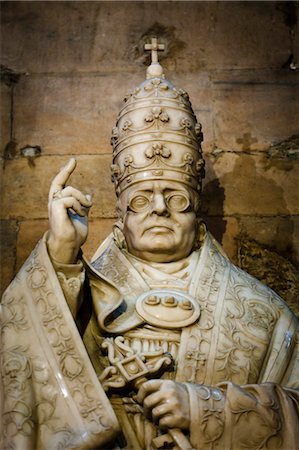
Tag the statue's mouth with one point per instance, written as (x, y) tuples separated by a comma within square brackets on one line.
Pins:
[(159, 229)]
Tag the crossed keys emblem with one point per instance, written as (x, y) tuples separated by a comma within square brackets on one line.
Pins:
[(130, 369)]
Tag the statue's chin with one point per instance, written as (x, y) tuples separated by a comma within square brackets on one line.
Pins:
[(160, 253), (160, 244)]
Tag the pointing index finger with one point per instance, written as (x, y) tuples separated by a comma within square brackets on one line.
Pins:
[(61, 178)]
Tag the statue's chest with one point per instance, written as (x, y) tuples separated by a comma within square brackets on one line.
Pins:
[(231, 339), (221, 345), (218, 330)]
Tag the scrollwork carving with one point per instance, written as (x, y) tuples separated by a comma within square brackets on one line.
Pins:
[(22, 368)]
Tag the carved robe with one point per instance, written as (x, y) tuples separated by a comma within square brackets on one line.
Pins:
[(50, 397), (238, 358)]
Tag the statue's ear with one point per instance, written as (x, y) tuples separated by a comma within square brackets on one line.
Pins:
[(118, 235), (201, 230)]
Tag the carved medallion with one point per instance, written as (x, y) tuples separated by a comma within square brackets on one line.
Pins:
[(167, 308)]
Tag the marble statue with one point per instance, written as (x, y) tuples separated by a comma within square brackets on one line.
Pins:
[(160, 342)]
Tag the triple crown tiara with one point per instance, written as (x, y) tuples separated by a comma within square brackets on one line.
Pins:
[(157, 135)]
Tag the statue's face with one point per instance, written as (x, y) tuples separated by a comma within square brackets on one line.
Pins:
[(159, 220)]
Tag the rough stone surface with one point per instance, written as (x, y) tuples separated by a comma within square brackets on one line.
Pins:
[(225, 230), (68, 115), (5, 107), (252, 117), (275, 233), (8, 234), (75, 61), (287, 149), (272, 269), (93, 36), (250, 184), (75, 114), (26, 185), (99, 229), (30, 232), (279, 233)]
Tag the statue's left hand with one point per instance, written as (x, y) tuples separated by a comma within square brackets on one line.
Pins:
[(165, 402)]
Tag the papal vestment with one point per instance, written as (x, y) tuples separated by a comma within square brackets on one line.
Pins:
[(237, 358)]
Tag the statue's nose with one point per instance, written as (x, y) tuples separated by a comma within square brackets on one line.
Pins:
[(159, 206)]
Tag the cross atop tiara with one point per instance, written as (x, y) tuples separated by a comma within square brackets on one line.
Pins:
[(155, 69), (154, 47)]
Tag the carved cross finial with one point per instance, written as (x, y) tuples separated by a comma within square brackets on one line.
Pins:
[(154, 47)]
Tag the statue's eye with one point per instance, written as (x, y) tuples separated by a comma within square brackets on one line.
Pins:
[(178, 202), (139, 203)]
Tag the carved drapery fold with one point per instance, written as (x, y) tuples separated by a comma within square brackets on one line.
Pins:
[(52, 397)]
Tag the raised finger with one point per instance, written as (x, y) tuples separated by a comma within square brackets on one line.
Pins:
[(69, 191), (61, 178), (147, 388)]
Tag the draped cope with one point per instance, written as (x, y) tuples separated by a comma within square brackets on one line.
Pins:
[(235, 351)]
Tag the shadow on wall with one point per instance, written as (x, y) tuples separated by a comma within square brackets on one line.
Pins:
[(254, 196), (212, 203)]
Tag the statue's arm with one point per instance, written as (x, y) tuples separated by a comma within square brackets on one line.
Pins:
[(231, 416), (228, 416), (264, 415), (71, 278), (68, 228), (251, 416)]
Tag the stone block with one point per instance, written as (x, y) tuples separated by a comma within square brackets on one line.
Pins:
[(242, 110), (8, 237), (263, 77), (30, 232), (250, 184), (278, 234), (254, 117), (68, 115), (99, 229), (107, 36), (76, 114), (26, 185), (229, 35), (5, 117)]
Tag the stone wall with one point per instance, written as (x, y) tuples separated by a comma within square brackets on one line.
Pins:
[(66, 67)]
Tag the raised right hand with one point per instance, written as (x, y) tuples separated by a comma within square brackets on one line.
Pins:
[(68, 209)]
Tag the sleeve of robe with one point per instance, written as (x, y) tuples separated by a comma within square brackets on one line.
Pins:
[(51, 396), (253, 416)]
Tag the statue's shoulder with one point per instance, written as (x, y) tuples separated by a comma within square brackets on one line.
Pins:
[(107, 255), (34, 272), (241, 283)]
